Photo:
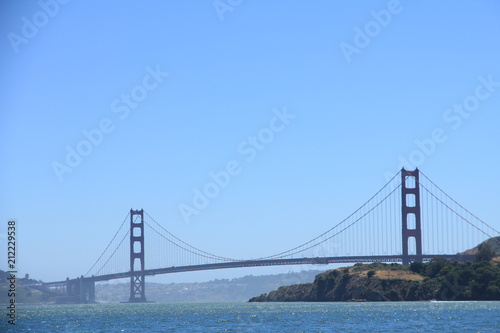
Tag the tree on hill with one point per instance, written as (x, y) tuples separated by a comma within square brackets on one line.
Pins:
[(485, 253)]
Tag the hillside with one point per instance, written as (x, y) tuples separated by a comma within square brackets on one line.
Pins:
[(223, 290), (493, 243), (373, 282), (436, 280), (31, 291), (28, 291)]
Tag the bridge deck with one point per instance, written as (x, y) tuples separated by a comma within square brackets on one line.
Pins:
[(272, 262)]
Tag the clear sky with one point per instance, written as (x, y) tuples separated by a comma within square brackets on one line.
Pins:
[(113, 105)]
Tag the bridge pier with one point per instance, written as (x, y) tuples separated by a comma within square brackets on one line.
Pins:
[(80, 290), (410, 212), (87, 290)]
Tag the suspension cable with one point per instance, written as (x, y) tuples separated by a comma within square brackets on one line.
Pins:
[(112, 254), (103, 252), (338, 224), (486, 224), (456, 213), (347, 227), (180, 240), (189, 250), (324, 237)]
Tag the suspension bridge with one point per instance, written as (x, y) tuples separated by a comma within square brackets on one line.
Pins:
[(409, 219)]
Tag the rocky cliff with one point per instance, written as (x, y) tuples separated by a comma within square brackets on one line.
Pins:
[(375, 282)]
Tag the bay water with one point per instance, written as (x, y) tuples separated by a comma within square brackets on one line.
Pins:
[(260, 317)]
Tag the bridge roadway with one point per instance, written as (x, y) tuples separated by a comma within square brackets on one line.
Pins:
[(271, 262)]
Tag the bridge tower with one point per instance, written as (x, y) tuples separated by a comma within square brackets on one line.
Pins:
[(137, 276), (410, 209)]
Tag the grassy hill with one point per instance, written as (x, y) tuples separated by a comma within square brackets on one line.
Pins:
[(493, 243)]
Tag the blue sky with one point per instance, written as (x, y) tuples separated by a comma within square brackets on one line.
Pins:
[(201, 80)]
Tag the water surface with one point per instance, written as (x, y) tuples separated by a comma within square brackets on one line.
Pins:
[(261, 317)]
